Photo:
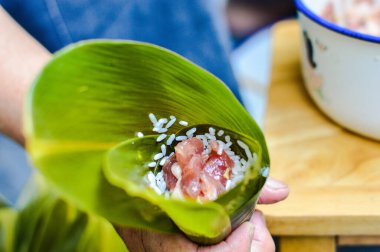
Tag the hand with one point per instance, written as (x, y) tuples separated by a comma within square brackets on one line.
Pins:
[(252, 235)]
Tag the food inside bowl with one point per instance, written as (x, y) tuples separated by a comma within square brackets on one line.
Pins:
[(201, 167), (359, 15)]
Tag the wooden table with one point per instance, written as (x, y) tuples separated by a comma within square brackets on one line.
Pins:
[(333, 174)]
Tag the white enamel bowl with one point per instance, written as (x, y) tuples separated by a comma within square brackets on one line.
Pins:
[(341, 69)]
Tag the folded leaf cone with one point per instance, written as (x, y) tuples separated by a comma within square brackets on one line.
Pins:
[(81, 120)]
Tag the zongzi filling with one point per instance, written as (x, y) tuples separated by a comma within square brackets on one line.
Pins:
[(202, 166)]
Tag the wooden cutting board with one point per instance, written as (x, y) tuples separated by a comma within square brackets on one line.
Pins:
[(333, 174)]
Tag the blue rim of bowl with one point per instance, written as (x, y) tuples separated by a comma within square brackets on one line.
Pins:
[(331, 26)]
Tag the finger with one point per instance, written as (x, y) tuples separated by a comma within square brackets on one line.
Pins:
[(143, 240), (131, 238), (241, 238), (166, 242), (262, 239), (273, 191), (238, 240)]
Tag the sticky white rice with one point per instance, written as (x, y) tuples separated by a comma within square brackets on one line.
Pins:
[(162, 125)]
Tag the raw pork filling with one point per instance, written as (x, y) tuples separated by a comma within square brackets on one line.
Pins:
[(358, 15), (202, 166), (192, 173)]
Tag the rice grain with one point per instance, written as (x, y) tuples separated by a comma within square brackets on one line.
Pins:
[(212, 131), (158, 156), (190, 132), (183, 123), (153, 118), (171, 122), (220, 148), (161, 137), (227, 138), (210, 136), (163, 149), (162, 130), (170, 139), (162, 120), (163, 160), (181, 138), (246, 149), (152, 164)]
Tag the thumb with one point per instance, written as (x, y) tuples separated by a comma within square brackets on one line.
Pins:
[(241, 238), (262, 239)]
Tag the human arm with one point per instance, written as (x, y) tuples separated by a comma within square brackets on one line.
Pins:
[(22, 57)]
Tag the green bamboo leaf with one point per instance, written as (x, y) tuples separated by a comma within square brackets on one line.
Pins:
[(97, 94), (45, 222), (7, 222), (125, 167)]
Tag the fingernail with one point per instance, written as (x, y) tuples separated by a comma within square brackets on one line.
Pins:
[(251, 229), (275, 184), (260, 225)]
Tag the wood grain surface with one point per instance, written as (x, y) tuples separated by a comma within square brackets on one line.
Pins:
[(308, 244), (333, 174)]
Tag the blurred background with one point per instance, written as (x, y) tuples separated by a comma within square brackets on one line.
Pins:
[(244, 27)]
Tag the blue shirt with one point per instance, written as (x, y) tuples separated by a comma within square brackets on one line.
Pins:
[(183, 26)]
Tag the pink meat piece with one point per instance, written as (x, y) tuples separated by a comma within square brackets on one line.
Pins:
[(210, 188), (191, 177), (189, 156), (358, 15), (203, 175), (169, 177), (217, 166), (185, 150), (329, 13)]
